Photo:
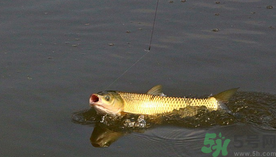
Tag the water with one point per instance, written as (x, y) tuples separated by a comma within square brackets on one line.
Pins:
[(245, 108), (54, 54)]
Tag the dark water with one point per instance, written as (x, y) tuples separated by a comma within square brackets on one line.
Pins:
[(54, 54)]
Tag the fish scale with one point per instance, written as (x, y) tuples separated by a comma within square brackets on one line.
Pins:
[(152, 104)]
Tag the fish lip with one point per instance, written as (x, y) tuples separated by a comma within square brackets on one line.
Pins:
[(102, 109), (99, 107)]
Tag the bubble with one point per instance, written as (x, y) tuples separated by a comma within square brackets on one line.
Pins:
[(215, 30), (269, 7)]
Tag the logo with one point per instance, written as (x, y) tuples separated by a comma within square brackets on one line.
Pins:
[(216, 145)]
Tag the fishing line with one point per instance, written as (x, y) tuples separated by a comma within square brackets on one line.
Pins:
[(153, 24), (147, 51)]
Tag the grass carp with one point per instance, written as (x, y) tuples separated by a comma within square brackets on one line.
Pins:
[(153, 102)]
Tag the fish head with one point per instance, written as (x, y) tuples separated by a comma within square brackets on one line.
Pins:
[(107, 102)]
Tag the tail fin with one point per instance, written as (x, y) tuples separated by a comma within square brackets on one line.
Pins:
[(225, 95)]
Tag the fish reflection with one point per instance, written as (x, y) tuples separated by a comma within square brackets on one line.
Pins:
[(104, 137), (109, 129)]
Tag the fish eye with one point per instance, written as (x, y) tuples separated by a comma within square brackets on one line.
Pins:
[(107, 98)]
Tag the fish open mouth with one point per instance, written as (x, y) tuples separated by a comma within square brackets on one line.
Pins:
[(94, 98), (95, 101), (101, 106)]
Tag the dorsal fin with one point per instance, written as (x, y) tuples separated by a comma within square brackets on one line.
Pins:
[(156, 90), (225, 95)]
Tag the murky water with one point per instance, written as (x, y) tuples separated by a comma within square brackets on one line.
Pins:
[(54, 54)]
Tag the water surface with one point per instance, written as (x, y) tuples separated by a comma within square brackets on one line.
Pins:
[(54, 54)]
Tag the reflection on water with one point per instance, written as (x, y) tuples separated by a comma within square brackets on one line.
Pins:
[(104, 137), (256, 109)]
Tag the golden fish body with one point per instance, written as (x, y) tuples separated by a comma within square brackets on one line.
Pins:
[(154, 102)]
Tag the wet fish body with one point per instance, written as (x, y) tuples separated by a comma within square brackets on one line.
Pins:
[(116, 102), (152, 104)]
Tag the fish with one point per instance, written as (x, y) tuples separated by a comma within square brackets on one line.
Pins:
[(154, 102), (104, 137)]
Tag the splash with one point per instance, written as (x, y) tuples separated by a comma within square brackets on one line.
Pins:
[(255, 108)]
